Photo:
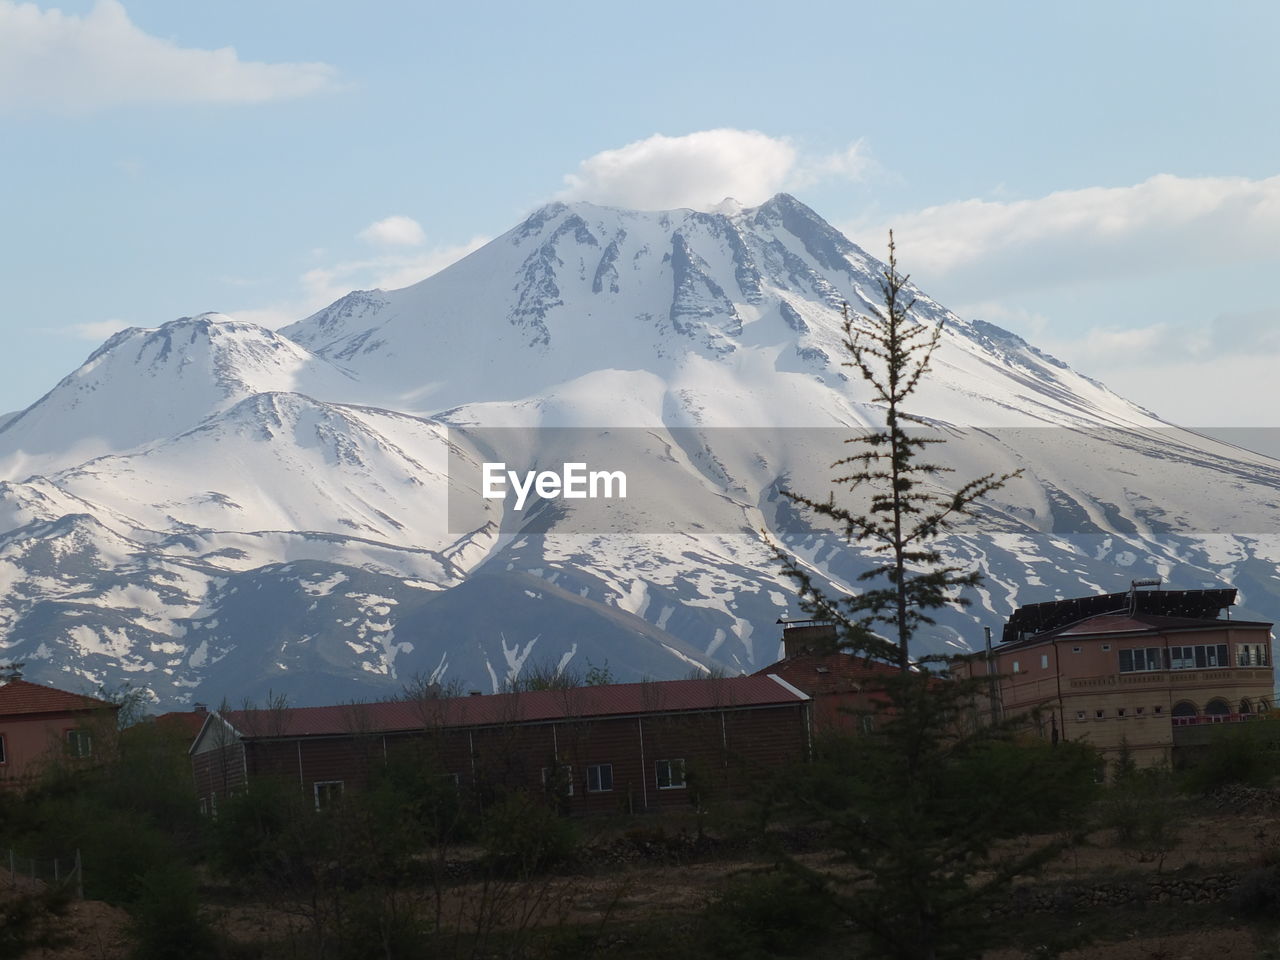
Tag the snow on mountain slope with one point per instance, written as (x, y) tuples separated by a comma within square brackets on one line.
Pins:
[(723, 307), (221, 510), (281, 461), (143, 385)]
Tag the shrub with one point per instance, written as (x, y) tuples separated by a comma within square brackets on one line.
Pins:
[(379, 925), (165, 918), (1238, 753), (30, 921), (1258, 895), (766, 915), (524, 834)]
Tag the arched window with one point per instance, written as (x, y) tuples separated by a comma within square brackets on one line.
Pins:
[(1217, 707), (1185, 708), (1245, 706)]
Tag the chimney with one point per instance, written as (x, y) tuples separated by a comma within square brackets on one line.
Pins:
[(475, 693), (200, 708), (800, 637), (10, 672)]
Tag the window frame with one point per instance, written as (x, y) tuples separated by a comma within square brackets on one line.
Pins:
[(4, 751), (1142, 660), (595, 782), (79, 743), (317, 793), (670, 771), (1253, 655), (1197, 656), (550, 779)]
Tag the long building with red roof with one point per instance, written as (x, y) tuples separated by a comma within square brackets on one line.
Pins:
[(619, 747)]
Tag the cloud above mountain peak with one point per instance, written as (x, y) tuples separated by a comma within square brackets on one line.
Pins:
[(702, 169)]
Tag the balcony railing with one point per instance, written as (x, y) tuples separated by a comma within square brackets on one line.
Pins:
[(1214, 718)]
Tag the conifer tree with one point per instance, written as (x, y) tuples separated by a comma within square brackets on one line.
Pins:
[(891, 352), (918, 806)]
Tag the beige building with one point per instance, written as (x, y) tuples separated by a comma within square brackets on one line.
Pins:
[(1155, 669)]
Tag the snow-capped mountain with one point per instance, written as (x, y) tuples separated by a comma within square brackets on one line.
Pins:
[(211, 508)]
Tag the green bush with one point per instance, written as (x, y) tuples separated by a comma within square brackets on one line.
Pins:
[(165, 918), (1144, 810), (766, 915), (1258, 896), (523, 833), (31, 921), (378, 925), (260, 832), (1238, 753)]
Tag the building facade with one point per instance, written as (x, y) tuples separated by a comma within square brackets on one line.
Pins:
[(39, 724), (1153, 671), (620, 747), (847, 689)]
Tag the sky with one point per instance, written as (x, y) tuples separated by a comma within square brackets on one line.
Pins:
[(1102, 178)]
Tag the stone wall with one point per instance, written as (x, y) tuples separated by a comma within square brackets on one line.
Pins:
[(1066, 898)]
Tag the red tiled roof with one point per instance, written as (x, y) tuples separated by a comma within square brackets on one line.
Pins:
[(1113, 623), (619, 699), (21, 698), (818, 674), (187, 722)]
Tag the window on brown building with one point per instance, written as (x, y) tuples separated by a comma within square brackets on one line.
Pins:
[(670, 774), (79, 744), (599, 778), (1142, 659), (328, 793), (558, 780), (1199, 656), (1251, 654)]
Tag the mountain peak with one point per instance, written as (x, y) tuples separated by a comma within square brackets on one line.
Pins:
[(148, 383)]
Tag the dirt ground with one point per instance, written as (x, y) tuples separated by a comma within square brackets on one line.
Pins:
[(89, 929), (645, 891)]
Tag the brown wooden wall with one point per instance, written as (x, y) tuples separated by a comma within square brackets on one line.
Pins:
[(219, 772), (725, 752)]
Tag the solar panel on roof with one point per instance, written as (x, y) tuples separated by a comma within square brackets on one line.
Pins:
[(1036, 618)]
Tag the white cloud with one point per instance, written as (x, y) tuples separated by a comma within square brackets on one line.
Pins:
[(1027, 323), (396, 231), (320, 286), (701, 169), (52, 59), (851, 163), (1233, 391), (98, 330), (1216, 373), (987, 248)]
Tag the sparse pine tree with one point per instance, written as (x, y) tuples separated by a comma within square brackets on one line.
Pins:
[(907, 511), (918, 806)]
